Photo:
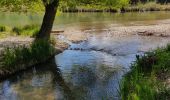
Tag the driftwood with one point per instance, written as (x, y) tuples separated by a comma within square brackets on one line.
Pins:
[(145, 33), (164, 35), (56, 32)]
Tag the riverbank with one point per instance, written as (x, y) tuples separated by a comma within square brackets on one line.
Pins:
[(149, 77), (21, 53)]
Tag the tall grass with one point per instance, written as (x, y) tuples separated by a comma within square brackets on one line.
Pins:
[(19, 57), (146, 78), (28, 30)]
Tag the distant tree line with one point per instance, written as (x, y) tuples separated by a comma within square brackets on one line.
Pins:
[(106, 3), (145, 1)]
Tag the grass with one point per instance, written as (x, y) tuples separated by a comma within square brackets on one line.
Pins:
[(4, 31), (27, 30), (146, 79), (19, 57)]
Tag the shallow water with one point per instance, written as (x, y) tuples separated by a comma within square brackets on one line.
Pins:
[(90, 70), (84, 20)]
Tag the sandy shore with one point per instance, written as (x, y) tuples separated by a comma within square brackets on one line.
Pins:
[(19, 41)]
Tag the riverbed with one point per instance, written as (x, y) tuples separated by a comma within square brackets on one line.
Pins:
[(90, 69)]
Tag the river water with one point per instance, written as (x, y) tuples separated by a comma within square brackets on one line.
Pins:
[(89, 70)]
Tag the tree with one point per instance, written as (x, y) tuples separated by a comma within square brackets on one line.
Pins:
[(48, 20)]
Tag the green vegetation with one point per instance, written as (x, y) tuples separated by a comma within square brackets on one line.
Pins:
[(150, 6), (21, 5), (147, 78), (87, 5), (49, 6), (92, 5), (20, 57), (113, 5), (27, 30)]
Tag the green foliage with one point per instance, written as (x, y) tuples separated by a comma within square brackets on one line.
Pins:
[(138, 88), (28, 30), (20, 56), (123, 3), (79, 5), (21, 5), (150, 6), (93, 4), (143, 81)]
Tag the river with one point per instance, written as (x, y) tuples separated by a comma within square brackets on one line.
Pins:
[(88, 70)]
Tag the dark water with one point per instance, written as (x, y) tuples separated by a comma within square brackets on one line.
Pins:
[(91, 72)]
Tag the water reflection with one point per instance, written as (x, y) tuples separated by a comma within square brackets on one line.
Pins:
[(47, 82), (93, 83), (41, 83), (92, 75)]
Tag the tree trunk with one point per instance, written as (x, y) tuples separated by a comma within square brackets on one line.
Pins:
[(48, 20)]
